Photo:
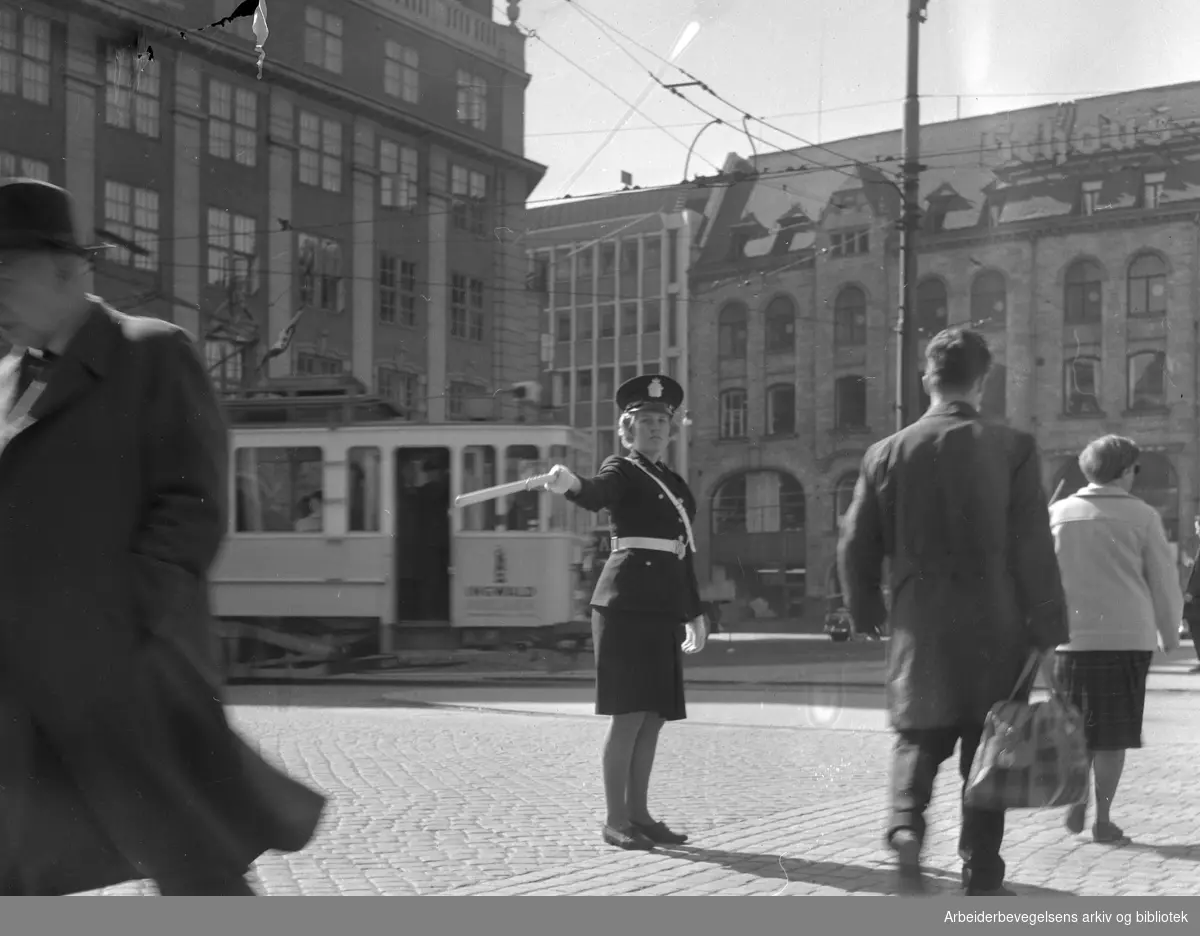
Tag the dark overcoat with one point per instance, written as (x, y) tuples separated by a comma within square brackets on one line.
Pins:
[(118, 761), (642, 580), (957, 507)]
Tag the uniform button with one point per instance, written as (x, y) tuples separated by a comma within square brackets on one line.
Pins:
[(647, 562), (660, 497)]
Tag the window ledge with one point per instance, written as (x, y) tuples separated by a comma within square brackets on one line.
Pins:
[(1147, 411)]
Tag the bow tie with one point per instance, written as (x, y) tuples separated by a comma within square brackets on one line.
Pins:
[(35, 365)]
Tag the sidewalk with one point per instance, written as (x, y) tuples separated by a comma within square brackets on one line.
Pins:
[(1168, 674)]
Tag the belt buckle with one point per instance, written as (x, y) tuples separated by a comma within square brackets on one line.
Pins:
[(680, 548)]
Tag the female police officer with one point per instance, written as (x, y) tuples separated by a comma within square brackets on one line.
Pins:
[(646, 606)]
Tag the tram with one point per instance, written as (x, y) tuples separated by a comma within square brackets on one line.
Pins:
[(343, 544)]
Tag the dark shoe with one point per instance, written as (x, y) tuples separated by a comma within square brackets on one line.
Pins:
[(659, 833), (1076, 818), (628, 838), (1105, 833), (1000, 891), (907, 847)]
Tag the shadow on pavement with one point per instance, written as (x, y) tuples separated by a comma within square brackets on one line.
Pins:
[(1184, 852), (851, 878)]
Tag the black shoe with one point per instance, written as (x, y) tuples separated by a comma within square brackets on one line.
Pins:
[(909, 879), (628, 838), (659, 832)]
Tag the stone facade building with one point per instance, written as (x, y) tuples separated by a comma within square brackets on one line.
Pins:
[(370, 178), (1069, 234)]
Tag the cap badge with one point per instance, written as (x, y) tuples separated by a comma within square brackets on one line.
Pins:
[(656, 388)]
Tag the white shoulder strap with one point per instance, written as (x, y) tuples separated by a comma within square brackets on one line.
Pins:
[(675, 501)]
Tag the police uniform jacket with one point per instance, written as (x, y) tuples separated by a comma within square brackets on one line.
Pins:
[(642, 580)]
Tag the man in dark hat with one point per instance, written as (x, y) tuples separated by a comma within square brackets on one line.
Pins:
[(646, 609), (118, 762)]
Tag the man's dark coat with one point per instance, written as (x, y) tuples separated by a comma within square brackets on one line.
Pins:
[(957, 506), (116, 760)]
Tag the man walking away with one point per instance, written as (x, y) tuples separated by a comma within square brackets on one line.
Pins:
[(957, 506), (116, 759)]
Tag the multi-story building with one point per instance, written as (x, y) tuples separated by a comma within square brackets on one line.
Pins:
[(367, 181), (612, 276), (1069, 234)]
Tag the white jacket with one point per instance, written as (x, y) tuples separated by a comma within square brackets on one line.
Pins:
[(1120, 579)]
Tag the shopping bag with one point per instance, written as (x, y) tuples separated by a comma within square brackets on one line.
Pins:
[(1032, 755)]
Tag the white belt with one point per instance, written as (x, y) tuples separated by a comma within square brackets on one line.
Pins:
[(678, 547)]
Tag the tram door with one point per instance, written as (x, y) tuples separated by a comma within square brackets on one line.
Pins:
[(422, 525)]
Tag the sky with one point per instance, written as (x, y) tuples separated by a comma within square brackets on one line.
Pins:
[(819, 71)]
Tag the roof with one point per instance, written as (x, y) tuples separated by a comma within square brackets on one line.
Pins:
[(978, 173), (595, 212)]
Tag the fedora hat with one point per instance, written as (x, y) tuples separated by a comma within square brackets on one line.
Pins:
[(36, 215)]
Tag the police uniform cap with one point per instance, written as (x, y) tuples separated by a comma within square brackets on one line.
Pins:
[(650, 393)]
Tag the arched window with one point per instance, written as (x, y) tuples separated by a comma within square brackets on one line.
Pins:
[(731, 332), (932, 308), (733, 413), (850, 318), (1083, 293), (1081, 386), (989, 301), (780, 325), (850, 402), (1148, 285), (1157, 484), (1146, 386), (758, 502), (843, 496)]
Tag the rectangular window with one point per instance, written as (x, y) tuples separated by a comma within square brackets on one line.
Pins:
[(1147, 381), (604, 384), (132, 91), (276, 488), (733, 414), (460, 393), (458, 305), (673, 320), (629, 258), (652, 253), (608, 258), (387, 289), (224, 362), (849, 243), (25, 56), (1081, 386), (132, 214), (397, 175), (323, 40), (408, 293), (320, 152), (363, 481), (562, 325), (472, 100), (583, 323), (13, 165), (231, 250), (398, 387), (401, 72), (319, 261), (608, 320), (475, 310), (311, 364), (781, 409), (629, 318), (583, 386), (232, 123), (1152, 189), (850, 402), (651, 316), (468, 190)]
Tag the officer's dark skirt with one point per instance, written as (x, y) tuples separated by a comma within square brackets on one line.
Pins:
[(639, 664)]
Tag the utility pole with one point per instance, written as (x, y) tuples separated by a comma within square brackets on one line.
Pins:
[(907, 374)]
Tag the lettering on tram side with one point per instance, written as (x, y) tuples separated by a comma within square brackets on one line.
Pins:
[(492, 600)]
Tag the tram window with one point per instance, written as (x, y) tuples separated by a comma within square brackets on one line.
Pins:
[(479, 471), (363, 495), (279, 490), (521, 462)]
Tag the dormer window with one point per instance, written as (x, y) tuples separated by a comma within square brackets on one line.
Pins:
[(1091, 197), (849, 243), (1152, 189)]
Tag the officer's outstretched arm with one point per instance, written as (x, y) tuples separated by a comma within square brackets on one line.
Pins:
[(606, 489)]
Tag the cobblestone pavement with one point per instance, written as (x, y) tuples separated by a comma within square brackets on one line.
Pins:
[(441, 801)]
